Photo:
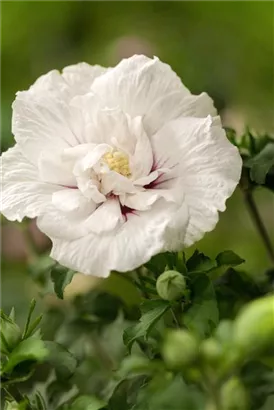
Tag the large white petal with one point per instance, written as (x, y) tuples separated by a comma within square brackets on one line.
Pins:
[(174, 105), (209, 165), (136, 84), (75, 80), (23, 194), (127, 247), (43, 121), (53, 168), (81, 76), (176, 231), (51, 82)]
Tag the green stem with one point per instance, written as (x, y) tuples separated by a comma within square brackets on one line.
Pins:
[(214, 396), (175, 318), (254, 213), (142, 284), (102, 353)]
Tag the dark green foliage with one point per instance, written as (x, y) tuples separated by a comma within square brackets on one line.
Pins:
[(209, 347), (61, 277)]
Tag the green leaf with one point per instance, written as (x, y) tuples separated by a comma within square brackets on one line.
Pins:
[(10, 333), (12, 314), (88, 403), (118, 400), (61, 359), (125, 394), (203, 314), (157, 263), (40, 269), (167, 394), (61, 277), (269, 403), (98, 308), (152, 311), (13, 405), (31, 349), (30, 328), (134, 365), (228, 258), (199, 262), (225, 260), (261, 164)]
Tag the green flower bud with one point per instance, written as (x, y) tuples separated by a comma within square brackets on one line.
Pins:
[(171, 285), (224, 332), (211, 350), (180, 349), (254, 326), (234, 395), (10, 334)]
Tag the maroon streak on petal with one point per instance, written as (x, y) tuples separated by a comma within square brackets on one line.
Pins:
[(69, 186), (125, 210)]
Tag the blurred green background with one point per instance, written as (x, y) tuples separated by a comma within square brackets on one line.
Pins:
[(223, 48)]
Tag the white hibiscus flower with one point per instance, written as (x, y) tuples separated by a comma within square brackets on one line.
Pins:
[(117, 164)]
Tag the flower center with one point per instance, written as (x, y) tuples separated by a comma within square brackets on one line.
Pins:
[(118, 161)]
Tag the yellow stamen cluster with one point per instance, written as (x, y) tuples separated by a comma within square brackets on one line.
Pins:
[(118, 161)]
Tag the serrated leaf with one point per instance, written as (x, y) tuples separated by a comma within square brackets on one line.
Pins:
[(229, 258), (31, 349), (61, 277), (225, 260), (261, 164), (152, 311), (61, 359), (203, 313), (199, 262), (88, 403), (31, 309), (33, 327)]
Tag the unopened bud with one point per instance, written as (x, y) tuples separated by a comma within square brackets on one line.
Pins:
[(254, 326), (211, 350), (171, 285), (180, 348), (234, 395)]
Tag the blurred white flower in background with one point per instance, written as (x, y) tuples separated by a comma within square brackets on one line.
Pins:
[(118, 164)]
